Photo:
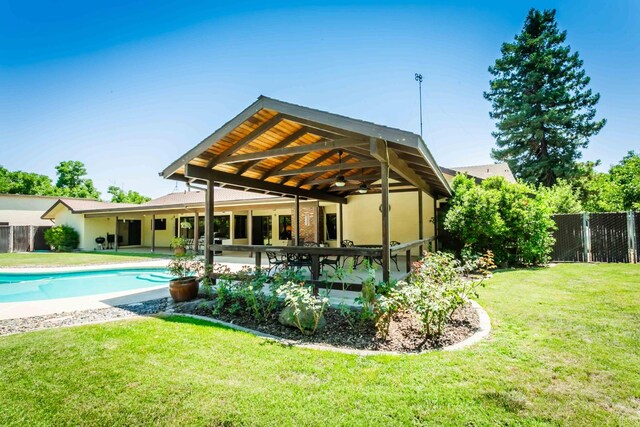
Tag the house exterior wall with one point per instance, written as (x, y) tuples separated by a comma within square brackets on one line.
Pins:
[(24, 210), (362, 218), (65, 217), (93, 228), (362, 221)]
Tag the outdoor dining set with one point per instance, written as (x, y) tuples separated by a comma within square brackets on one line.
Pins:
[(296, 260)]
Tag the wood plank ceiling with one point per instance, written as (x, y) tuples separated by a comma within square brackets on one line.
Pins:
[(277, 148)]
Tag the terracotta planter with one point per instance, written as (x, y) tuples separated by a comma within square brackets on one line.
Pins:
[(183, 288), (179, 251)]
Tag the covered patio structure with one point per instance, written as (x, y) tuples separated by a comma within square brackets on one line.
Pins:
[(274, 147)]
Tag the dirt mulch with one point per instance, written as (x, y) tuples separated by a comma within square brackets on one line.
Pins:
[(405, 332)]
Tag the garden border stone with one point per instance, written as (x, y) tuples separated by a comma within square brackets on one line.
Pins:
[(483, 330)]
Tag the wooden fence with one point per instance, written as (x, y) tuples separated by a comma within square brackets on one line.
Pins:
[(22, 238), (597, 237)]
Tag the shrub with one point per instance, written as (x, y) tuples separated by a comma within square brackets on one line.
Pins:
[(435, 289), (244, 290), (62, 238), (505, 218), (306, 309)]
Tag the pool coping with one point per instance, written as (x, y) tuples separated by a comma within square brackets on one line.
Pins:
[(159, 263)]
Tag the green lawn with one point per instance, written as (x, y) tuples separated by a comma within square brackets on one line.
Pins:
[(565, 350), (62, 259)]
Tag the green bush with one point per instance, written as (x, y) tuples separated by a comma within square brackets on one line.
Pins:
[(62, 238), (244, 291), (306, 310), (436, 288), (508, 219)]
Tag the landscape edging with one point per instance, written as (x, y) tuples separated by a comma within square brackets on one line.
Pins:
[(483, 330)]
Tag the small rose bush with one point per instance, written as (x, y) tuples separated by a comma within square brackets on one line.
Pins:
[(302, 308)]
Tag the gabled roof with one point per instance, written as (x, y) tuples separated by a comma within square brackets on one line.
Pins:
[(177, 200), (82, 205), (289, 149), (197, 197)]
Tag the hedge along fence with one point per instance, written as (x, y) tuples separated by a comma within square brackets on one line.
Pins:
[(597, 237)]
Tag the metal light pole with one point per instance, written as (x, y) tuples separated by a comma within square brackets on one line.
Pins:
[(419, 80)]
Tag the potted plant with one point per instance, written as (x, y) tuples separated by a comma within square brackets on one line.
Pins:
[(185, 269), (179, 245)]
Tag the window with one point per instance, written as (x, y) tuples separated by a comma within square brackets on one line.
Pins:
[(240, 227), (331, 226), (160, 224), (284, 227), (221, 226)]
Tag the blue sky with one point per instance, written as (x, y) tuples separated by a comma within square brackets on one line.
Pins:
[(128, 87)]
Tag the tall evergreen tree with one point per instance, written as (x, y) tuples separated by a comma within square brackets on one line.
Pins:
[(541, 103)]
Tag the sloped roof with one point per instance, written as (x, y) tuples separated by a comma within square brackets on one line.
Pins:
[(290, 149), (485, 171), (168, 201), (221, 194)]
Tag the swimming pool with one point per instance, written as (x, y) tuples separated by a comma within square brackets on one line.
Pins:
[(45, 286)]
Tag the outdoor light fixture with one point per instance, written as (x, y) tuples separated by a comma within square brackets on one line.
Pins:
[(363, 188)]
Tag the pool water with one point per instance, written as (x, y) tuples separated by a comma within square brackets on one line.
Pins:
[(44, 286)]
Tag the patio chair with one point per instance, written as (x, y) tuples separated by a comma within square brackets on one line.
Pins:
[(326, 261), (298, 261), (275, 262), (356, 258), (394, 258)]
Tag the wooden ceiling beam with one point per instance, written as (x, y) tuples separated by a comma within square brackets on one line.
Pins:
[(322, 127), (307, 180), (299, 149), (317, 161), (328, 168), (243, 142), (379, 150), (288, 140), (205, 174)]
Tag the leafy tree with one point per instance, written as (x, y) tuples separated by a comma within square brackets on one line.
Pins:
[(19, 182), (543, 109), (626, 175), (71, 181), (505, 218), (561, 198), (598, 192), (118, 195)]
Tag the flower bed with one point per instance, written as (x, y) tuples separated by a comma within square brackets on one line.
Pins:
[(431, 309)]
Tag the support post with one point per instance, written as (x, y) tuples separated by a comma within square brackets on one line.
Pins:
[(384, 169), (420, 223), (115, 238), (435, 222), (341, 224), (250, 229), (153, 233), (586, 237), (258, 260), (297, 209), (11, 238), (631, 232), (196, 232), (208, 223)]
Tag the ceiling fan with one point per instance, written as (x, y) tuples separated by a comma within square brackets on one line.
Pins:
[(341, 180)]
